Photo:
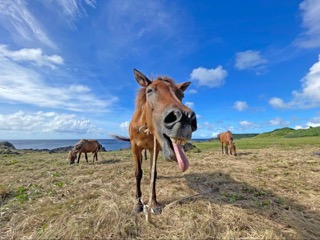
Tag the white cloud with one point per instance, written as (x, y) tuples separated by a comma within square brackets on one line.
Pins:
[(19, 84), (240, 106), (278, 122), (310, 12), (129, 21), (314, 122), (192, 91), (79, 88), (308, 96), (71, 10), (249, 59), (125, 125), (278, 103), (47, 122), (30, 55), (246, 124), (21, 24), (189, 104), (213, 77), (215, 134)]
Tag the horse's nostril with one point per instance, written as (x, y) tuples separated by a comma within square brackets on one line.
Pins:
[(193, 120), (173, 117)]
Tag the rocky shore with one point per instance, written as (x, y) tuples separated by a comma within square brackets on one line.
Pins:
[(8, 148)]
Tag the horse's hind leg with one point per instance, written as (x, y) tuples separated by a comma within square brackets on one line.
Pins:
[(85, 154), (226, 149)]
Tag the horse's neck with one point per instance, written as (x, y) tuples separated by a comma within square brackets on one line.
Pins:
[(139, 117)]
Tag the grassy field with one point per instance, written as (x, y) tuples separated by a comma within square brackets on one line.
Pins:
[(271, 190)]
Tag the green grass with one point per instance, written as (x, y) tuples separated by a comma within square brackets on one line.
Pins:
[(269, 191), (260, 143)]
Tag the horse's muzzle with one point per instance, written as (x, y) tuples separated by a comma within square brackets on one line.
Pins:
[(177, 119)]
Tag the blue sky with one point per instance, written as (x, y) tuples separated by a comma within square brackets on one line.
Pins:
[(66, 67)]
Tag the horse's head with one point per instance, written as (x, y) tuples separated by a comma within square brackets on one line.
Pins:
[(171, 122), (233, 149), (72, 155)]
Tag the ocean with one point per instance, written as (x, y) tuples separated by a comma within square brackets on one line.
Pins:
[(108, 144)]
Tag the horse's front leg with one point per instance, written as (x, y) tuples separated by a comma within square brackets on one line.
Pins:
[(226, 149), (155, 207), (85, 154), (222, 148), (138, 173), (79, 157)]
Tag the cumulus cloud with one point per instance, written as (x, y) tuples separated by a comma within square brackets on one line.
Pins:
[(20, 84), (278, 103), (278, 122), (30, 55), (308, 96), (310, 13), (240, 106), (313, 122), (192, 91), (47, 122), (246, 124), (125, 125), (189, 104), (249, 59), (213, 77)]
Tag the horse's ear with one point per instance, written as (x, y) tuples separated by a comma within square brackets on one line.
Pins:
[(141, 78), (183, 86)]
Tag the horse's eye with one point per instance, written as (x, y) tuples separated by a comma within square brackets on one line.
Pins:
[(149, 90)]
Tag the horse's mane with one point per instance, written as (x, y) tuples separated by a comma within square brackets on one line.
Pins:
[(141, 96)]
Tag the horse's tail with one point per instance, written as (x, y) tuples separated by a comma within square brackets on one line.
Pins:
[(99, 150), (121, 138)]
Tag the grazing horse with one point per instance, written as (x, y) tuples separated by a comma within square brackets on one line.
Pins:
[(160, 122), (227, 139), (84, 146)]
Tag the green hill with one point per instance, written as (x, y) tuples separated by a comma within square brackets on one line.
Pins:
[(291, 133)]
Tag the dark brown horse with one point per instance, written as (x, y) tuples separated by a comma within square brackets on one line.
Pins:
[(84, 146), (159, 116), (227, 139)]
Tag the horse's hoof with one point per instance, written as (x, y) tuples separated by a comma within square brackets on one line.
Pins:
[(138, 209), (156, 210)]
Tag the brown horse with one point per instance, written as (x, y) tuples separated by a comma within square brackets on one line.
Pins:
[(227, 139), (161, 117), (84, 146)]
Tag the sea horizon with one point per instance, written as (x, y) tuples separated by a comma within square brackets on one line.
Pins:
[(109, 144)]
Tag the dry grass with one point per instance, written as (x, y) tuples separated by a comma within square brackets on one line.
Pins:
[(261, 194)]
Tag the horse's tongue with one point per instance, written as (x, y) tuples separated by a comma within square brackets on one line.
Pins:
[(181, 157)]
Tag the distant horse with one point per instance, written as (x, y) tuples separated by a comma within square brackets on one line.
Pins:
[(227, 139), (160, 122), (84, 146)]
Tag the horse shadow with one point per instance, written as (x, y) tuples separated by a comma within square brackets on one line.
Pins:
[(110, 161), (221, 188), (244, 153)]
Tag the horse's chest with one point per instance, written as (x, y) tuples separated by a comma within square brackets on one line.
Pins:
[(145, 143)]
